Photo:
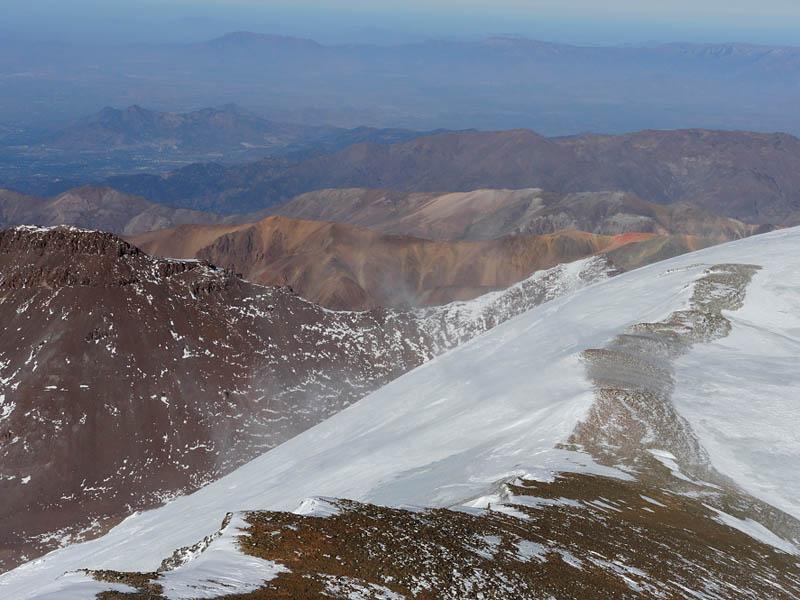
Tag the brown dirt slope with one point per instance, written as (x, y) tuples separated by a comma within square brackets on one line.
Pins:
[(96, 208), (350, 268), (491, 213), (346, 267)]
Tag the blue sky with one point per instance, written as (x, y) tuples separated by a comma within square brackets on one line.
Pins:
[(578, 21)]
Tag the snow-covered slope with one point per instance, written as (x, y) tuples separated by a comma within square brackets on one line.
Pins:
[(741, 394), (494, 409)]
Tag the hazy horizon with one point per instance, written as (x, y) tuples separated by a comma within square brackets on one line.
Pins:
[(617, 22), (64, 61)]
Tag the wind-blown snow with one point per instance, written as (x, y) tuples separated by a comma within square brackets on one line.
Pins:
[(755, 530), (443, 434), (220, 569), (741, 394), (77, 586)]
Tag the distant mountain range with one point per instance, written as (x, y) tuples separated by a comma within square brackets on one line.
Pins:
[(357, 249), (753, 177), (495, 83), (208, 130), (491, 213), (97, 208), (229, 131), (46, 161)]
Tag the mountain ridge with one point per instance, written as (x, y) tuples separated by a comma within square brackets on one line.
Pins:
[(351, 268), (93, 207), (487, 214), (743, 175)]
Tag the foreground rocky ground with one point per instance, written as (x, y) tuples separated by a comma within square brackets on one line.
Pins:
[(576, 537)]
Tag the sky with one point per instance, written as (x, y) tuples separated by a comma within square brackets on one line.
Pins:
[(394, 21)]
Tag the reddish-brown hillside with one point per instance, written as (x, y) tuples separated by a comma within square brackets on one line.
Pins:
[(350, 268), (491, 213), (347, 267)]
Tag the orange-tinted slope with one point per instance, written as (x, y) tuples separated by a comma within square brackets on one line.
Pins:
[(347, 267), (491, 213)]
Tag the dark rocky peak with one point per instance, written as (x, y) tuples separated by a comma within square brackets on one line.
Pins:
[(55, 257), (64, 240)]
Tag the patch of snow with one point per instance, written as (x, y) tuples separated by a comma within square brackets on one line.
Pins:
[(489, 545), (220, 569), (354, 589), (624, 572), (603, 505), (570, 558), (44, 229), (78, 586), (6, 408), (652, 501), (527, 551), (668, 460), (755, 530), (534, 502), (741, 394), (317, 507)]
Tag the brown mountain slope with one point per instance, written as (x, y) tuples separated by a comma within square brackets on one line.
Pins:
[(750, 176), (184, 241), (126, 379), (346, 267), (488, 214), (754, 177), (96, 208)]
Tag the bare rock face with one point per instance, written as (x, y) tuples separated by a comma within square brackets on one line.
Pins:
[(127, 379)]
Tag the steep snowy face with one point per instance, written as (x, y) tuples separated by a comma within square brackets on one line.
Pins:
[(589, 383), (126, 380), (741, 394)]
